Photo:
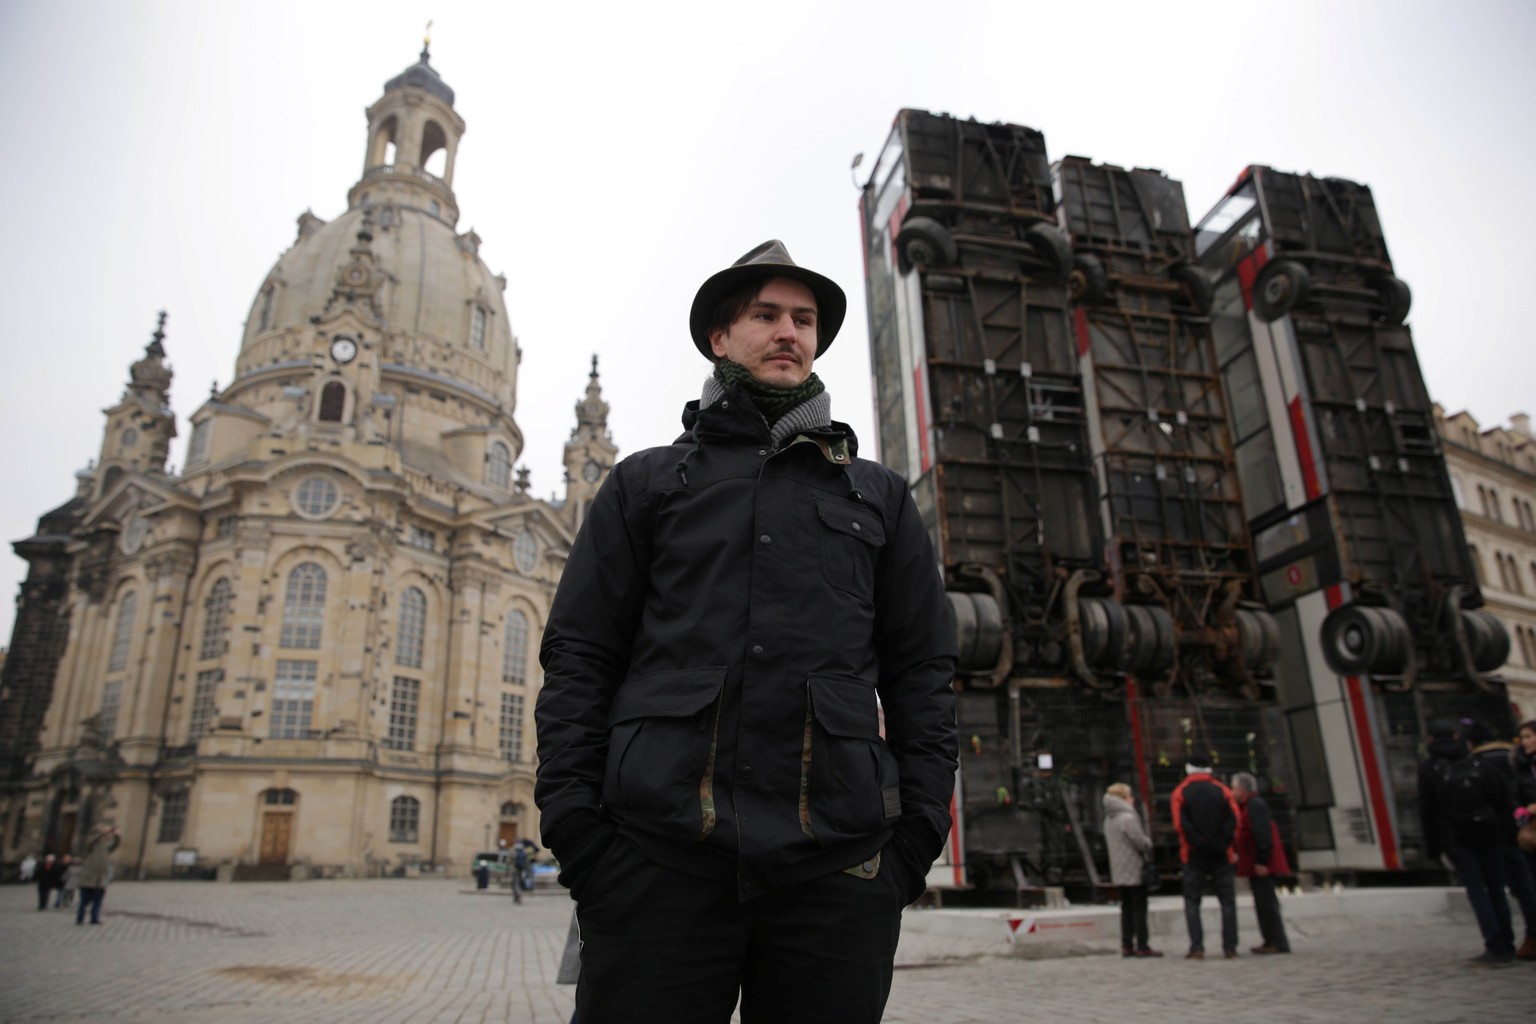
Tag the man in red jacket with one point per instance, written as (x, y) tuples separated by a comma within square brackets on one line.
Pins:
[(1260, 859), (1205, 816)]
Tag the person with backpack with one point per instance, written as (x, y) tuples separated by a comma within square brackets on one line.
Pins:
[(1205, 816), (1466, 817), (1497, 756)]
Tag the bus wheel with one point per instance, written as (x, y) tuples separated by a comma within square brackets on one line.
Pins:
[(1258, 639), (1488, 639), (1087, 283), (978, 630), (1104, 631), (1198, 286), (1280, 287), (1362, 638), (1052, 247), (1396, 298), (923, 243)]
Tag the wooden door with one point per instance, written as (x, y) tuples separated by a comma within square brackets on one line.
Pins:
[(276, 827), (508, 832), (67, 832)]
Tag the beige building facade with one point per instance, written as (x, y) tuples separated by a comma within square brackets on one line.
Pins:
[(1493, 472), (314, 651)]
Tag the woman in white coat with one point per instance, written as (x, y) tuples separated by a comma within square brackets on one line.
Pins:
[(1130, 849)]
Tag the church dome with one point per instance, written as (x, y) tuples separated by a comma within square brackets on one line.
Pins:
[(422, 75), (432, 281)]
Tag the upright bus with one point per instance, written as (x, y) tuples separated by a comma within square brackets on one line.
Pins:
[(1358, 539)]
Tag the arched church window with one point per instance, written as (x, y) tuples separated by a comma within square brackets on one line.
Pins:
[(382, 152), (264, 318), (510, 810), (525, 550), (216, 612), (333, 401), (498, 465), (197, 448), (514, 654), (477, 327), (1477, 563), (122, 636), (413, 627), (434, 149), (304, 607)]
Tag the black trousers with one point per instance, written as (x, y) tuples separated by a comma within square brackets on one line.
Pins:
[(1133, 917), (658, 945), (1266, 905), (1222, 876), (1482, 874)]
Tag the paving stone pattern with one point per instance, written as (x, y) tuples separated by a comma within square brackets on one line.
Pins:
[(432, 951)]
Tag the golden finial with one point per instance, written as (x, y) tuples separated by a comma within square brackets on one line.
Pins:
[(426, 39)]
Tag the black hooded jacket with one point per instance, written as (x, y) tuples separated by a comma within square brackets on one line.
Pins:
[(713, 654), (1441, 826)]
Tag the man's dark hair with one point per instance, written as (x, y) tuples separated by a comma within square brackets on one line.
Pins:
[(1475, 732), (735, 302), (1444, 728)]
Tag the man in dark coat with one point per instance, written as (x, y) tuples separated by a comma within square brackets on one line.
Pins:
[(1260, 859), (1205, 816), (1497, 755), (747, 740), (1461, 805)]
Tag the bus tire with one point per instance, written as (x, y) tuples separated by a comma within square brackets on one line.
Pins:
[(1396, 299), (1087, 283), (1052, 248), (1488, 638), (1362, 638), (1199, 289), (923, 243), (1280, 287)]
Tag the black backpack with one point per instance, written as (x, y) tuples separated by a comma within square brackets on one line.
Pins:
[(1462, 793)]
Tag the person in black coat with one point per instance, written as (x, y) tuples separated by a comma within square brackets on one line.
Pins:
[(1498, 756), (1466, 817), (746, 731)]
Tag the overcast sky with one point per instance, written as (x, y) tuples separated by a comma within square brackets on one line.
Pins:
[(617, 154)]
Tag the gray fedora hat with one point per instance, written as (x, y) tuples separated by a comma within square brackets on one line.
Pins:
[(770, 259)]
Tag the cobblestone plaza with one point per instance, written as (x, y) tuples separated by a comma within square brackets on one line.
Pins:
[(436, 951)]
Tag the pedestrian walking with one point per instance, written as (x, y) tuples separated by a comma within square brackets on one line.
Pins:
[(48, 879), (96, 871), (1498, 756), (69, 881), (1205, 817), (731, 813), (1130, 853), (1462, 805), (1260, 859)]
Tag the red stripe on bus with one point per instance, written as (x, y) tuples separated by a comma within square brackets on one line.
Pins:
[(922, 418), (956, 853), (1080, 322), (1143, 777), (1304, 448), (1248, 271), (1373, 781)]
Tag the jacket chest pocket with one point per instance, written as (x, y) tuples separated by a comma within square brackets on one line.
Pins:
[(851, 537), (661, 751)]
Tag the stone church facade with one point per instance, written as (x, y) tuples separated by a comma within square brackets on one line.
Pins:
[(314, 651)]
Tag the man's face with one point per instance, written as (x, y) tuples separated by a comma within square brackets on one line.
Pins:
[(775, 338), (1241, 794)]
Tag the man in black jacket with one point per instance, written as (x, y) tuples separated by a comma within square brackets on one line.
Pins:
[(714, 778), (1497, 756), (1462, 806)]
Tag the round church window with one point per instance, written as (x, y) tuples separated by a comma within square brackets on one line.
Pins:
[(133, 536), (315, 498)]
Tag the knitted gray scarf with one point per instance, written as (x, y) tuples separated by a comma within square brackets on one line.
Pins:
[(808, 415)]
